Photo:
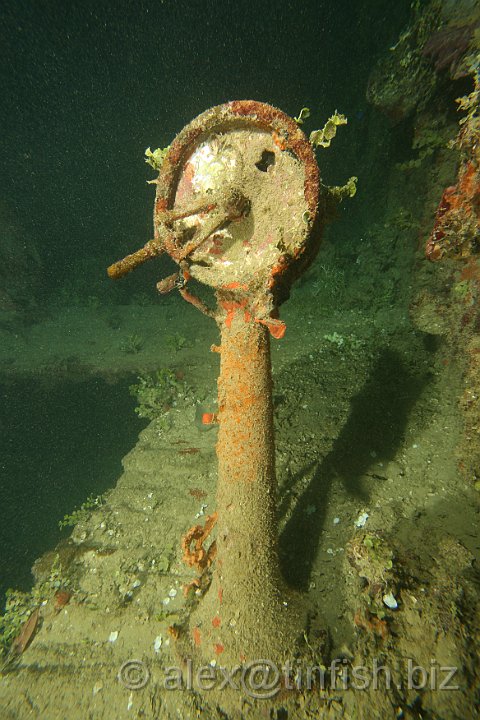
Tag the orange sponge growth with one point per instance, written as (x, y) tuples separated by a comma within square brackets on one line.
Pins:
[(456, 232)]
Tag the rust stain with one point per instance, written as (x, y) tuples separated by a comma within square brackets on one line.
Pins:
[(197, 638), (29, 628), (197, 493)]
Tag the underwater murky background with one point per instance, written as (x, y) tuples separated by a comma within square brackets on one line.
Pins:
[(102, 380), (86, 87)]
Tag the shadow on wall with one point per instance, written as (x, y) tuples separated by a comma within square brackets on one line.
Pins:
[(377, 420)]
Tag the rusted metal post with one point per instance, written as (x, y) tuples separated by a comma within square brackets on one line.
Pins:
[(247, 613), (253, 174)]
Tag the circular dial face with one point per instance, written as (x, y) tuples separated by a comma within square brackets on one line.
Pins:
[(243, 197)]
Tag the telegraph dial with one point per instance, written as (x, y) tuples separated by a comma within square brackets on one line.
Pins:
[(237, 199)]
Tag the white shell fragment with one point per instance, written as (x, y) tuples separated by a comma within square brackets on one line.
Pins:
[(202, 511), (157, 643), (113, 636), (390, 601), (361, 520)]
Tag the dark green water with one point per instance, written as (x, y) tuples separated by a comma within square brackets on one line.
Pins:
[(60, 443), (87, 86)]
